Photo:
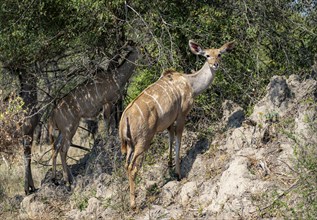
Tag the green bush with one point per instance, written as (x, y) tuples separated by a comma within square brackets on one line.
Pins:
[(139, 82)]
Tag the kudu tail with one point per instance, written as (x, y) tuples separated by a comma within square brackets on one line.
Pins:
[(125, 138)]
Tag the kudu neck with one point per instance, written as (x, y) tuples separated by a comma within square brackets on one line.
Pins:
[(201, 79), (126, 69)]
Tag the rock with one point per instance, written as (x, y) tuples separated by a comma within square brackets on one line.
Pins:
[(169, 192), (233, 180), (159, 212), (154, 212), (275, 103), (305, 105), (93, 205), (106, 191), (278, 91), (239, 138), (233, 114), (187, 192), (305, 123), (32, 208), (16, 201), (229, 197), (93, 211), (208, 193)]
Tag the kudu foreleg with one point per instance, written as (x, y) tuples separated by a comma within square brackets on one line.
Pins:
[(28, 179), (56, 148), (171, 134), (179, 132)]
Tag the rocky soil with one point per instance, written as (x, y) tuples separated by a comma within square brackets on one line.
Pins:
[(236, 174)]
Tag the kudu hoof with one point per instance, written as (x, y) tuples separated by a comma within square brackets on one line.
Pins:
[(33, 190), (170, 164), (133, 208), (55, 181), (30, 191)]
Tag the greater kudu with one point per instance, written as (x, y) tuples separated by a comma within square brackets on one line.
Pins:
[(164, 105), (85, 102)]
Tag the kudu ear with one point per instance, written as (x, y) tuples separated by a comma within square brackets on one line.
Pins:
[(227, 47), (195, 48)]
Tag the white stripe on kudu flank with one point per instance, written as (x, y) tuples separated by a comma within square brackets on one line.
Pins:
[(139, 110), (165, 92), (171, 88), (155, 101), (115, 81)]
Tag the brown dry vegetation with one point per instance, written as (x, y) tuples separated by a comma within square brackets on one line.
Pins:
[(11, 118), (12, 166)]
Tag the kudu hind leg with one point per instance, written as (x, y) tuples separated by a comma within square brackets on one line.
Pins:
[(133, 168), (67, 175), (128, 158), (171, 135)]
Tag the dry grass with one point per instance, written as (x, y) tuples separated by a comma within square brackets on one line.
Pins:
[(12, 176), (11, 189)]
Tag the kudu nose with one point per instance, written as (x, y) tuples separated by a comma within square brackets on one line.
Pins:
[(216, 65)]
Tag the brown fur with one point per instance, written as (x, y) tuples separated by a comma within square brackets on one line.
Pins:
[(86, 102), (164, 105), (167, 101), (168, 71)]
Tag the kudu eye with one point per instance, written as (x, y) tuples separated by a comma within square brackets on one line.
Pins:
[(207, 55), (219, 55)]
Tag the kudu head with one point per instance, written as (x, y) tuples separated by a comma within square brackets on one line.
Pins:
[(212, 55)]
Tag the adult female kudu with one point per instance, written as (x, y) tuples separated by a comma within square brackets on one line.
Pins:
[(164, 105), (85, 102)]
